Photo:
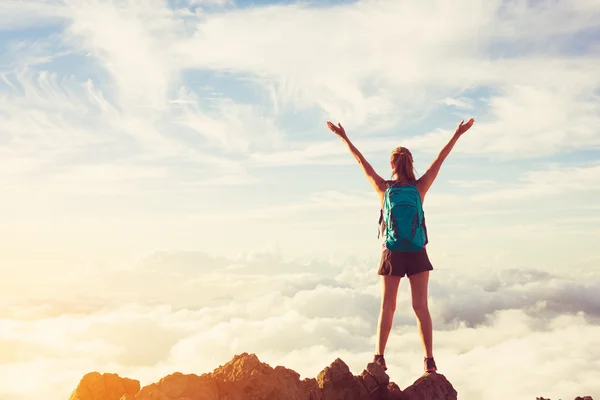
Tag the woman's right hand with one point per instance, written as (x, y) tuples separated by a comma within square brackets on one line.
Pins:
[(337, 129)]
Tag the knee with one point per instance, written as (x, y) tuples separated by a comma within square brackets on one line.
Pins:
[(420, 309), (388, 306)]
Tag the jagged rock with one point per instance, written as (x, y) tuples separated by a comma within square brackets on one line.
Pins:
[(431, 386), (377, 382), (576, 398), (96, 386), (338, 383), (394, 392), (245, 377), (181, 386)]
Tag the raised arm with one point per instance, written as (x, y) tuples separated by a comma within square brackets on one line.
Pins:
[(428, 178), (375, 180)]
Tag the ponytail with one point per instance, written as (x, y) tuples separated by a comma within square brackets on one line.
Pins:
[(402, 163)]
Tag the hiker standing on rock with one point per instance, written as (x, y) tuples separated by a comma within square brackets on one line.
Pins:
[(405, 236)]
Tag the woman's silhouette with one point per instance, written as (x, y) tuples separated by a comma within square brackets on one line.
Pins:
[(413, 263)]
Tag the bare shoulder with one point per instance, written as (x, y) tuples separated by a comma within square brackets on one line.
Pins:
[(381, 188), (421, 187)]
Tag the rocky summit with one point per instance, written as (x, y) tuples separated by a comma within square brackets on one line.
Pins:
[(245, 377)]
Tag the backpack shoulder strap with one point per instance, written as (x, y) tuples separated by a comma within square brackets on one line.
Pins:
[(393, 183), (381, 224)]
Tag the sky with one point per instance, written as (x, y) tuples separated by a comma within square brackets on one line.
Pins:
[(171, 195)]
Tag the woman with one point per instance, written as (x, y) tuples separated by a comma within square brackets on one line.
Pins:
[(395, 264)]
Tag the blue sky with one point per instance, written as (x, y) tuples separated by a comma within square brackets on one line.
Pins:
[(161, 123), (130, 128)]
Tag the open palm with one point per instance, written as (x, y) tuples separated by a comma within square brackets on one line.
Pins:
[(462, 127), (337, 129)]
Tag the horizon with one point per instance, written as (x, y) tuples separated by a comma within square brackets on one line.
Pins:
[(167, 174)]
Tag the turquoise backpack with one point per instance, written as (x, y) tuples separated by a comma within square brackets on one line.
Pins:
[(404, 219)]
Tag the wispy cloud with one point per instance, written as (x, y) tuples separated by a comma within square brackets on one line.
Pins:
[(229, 126), (340, 79), (16, 14), (461, 102), (555, 181), (134, 54)]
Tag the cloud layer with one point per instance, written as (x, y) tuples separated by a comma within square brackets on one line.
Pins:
[(190, 312)]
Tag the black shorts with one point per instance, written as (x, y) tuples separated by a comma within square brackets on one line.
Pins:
[(400, 263)]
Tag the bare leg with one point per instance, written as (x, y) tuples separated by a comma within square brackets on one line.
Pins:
[(389, 291), (418, 287)]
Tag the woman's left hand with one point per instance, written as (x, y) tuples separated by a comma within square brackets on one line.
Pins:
[(337, 129)]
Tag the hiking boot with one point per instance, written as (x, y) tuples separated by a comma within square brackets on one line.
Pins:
[(380, 360), (429, 364)]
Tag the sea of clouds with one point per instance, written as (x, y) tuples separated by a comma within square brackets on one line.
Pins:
[(499, 333)]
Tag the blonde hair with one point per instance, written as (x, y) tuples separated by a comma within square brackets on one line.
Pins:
[(402, 163)]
